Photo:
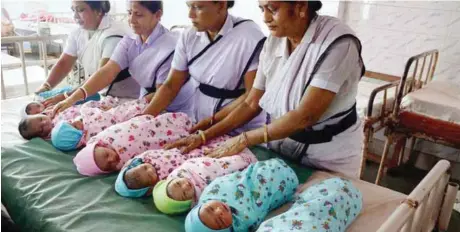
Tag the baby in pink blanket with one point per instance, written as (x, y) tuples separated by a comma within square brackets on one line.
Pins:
[(70, 136), (183, 187), (112, 148), (40, 125), (141, 173)]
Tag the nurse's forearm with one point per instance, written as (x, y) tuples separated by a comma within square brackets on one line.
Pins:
[(238, 117), (167, 92), (99, 80), (161, 99), (61, 69), (221, 114), (281, 128)]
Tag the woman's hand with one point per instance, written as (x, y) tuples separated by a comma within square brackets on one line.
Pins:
[(54, 100), (61, 106), (202, 125), (187, 144), (44, 87), (231, 147)]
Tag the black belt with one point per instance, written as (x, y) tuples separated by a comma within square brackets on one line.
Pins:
[(325, 135), (214, 92), (123, 75)]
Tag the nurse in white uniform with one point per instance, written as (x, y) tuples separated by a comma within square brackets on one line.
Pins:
[(91, 44), (147, 55), (220, 54), (307, 82)]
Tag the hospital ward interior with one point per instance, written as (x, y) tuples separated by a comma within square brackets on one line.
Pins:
[(185, 151)]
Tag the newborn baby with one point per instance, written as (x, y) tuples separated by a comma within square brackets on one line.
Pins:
[(40, 125), (142, 173), (112, 148), (70, 136), (36, 107), (331, 205), (183, 187), (241, 200)]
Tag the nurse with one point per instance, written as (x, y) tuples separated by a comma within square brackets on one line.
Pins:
[(91, 44), (147, 55), (307, 82), (220, 55)]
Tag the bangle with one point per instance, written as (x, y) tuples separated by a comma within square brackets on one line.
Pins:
[(265, 133), (245, 139), (84, 92), (47, 85), (203, 137), (66, 95)]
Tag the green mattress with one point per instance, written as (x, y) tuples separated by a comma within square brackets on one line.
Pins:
[(42, 191)]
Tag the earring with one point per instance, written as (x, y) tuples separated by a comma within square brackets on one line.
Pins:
[(302, 14)]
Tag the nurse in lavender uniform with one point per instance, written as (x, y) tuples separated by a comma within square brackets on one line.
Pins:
[(147, 55)]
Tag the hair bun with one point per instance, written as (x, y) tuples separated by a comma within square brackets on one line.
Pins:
[(315, 5), (105, 6)]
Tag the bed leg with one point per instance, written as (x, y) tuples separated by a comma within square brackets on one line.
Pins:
[(367, 133), (447, 206), (403, 151), (388, 142)]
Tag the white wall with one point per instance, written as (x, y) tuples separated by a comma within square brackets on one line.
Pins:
[(392, 31)]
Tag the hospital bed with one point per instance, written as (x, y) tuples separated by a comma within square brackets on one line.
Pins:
[(423, 109), (43, 192)]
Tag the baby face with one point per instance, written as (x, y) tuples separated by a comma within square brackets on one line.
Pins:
[(106, 158), (35, 108), (144, 175), (180, 189), (39, 125), (216, 215)]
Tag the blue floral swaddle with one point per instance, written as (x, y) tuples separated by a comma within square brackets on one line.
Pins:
[(329, 206), (54, 92), (251, 194)]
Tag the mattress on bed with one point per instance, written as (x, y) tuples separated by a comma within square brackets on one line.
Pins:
[(10, 120), (378, 202), (438, 100), (365, 88), (42, 191)]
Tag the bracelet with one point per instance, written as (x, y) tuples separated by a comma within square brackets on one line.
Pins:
[(245, 139), (84, 92), (265, 133), (47, 85), (203, 137), (66, 95)]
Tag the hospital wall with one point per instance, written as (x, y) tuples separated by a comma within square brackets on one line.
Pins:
[(392, 31)]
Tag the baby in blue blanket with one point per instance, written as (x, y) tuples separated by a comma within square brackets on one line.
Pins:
[(240, 201), (329, 206)]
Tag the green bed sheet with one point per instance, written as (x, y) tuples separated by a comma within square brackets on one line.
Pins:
[(42, 191)]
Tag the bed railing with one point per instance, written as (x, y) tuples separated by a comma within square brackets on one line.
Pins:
[(44, 61), (374, 122), (428, 206), (419, 70)]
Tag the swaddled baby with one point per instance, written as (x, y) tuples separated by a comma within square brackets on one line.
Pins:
[(109, 150), (40, 125), (36, 107), (70, 136), (183, 187), (241, 200), (331, 205), (139, 175)]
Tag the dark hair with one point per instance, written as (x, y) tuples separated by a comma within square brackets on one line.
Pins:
[(230, 4), (23, 127), (314, 6), (101, 6), (152, 6)]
